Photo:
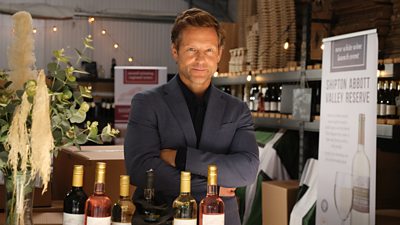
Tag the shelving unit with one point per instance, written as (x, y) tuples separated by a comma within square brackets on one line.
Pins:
[(383, 130)]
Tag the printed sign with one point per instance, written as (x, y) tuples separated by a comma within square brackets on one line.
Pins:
[(347, 140), (130, 80)]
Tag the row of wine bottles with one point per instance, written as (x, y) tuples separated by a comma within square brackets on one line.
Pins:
[(267, 98), (211, 208), (97, 209), (386, 100), (102, 111)]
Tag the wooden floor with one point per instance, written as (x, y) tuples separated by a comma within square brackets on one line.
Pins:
[(44, 216)]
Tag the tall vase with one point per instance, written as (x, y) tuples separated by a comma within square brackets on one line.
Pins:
[(19, 198)]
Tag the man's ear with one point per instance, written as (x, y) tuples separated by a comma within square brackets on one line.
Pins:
[(174, 52)]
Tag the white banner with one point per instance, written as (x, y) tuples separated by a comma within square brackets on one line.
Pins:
[(347, 140)]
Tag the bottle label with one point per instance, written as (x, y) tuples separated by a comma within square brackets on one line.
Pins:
[(279, 107), (184, 221), (214, 219), (274, 106), (390, 110), (382, 110), (267, 106), (73, 219), (361, 194), (98, 220), (119, 223)]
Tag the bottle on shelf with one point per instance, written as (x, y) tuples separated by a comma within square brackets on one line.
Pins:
[(74, 201), (361, 179), (397, 99), (122, 211), (381, 108), (98, 205), (211, 208), (317, 107), (274, 99), (279, 94), (113, 65), (253, 98), (151, 215), (391, 101), (185, 206), (267, 99)]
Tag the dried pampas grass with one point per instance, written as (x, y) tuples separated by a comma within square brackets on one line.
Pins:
[(42, 142), (21, 57), (18, 138)]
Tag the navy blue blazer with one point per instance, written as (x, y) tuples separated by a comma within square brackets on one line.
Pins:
[(160, 118)]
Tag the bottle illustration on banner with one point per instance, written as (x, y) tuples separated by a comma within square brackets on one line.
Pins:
[(343, 195), (361, 179)]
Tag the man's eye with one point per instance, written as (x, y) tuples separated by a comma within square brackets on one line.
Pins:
[(191, 50)]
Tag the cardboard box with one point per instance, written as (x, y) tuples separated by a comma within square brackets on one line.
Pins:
[(278, 199), (88, 156)]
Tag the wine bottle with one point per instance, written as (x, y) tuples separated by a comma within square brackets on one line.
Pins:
[(391, 101), (74, 201), (124, 208), (381, 109), (279, 94), (274, 99), (98, 205), (211, 209), (185, 206), (361, 177), (267, 99), (151, 215)]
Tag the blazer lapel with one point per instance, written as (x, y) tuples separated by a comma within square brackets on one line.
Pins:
[(177, 104), (214, 115)]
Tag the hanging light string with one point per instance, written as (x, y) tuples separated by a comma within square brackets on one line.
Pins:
[(116, 44)]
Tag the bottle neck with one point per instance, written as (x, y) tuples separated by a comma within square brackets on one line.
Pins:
[(99, 188), (212, 190)]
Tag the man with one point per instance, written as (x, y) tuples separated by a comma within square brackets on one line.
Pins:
[(188, 123)]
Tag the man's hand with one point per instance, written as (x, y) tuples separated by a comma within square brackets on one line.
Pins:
[(226, 192), (168, 155)]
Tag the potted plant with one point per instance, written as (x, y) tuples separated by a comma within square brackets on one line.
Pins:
[(39, 114)]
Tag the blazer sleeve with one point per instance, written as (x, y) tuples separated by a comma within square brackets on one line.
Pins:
[(142, 149), (239, 166)]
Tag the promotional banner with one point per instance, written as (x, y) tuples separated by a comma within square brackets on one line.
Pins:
[(347, 140), (130, 80)]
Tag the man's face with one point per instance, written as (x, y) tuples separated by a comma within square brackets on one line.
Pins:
[(198, 56)]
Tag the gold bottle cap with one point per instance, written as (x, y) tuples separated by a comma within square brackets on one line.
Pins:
[(77, 176), (100, 172), (124, 185), (185, 182), (212, 175)]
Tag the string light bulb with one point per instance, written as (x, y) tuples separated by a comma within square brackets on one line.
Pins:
[(322, 46), (55, 29), (248, 78), (89, 36), (103, 32), (216, 74), (130, 59), (286, 45), (91, 19), (34, 30), (116, 45)]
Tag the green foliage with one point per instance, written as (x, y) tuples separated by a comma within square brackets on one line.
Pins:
[(68, 105)]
